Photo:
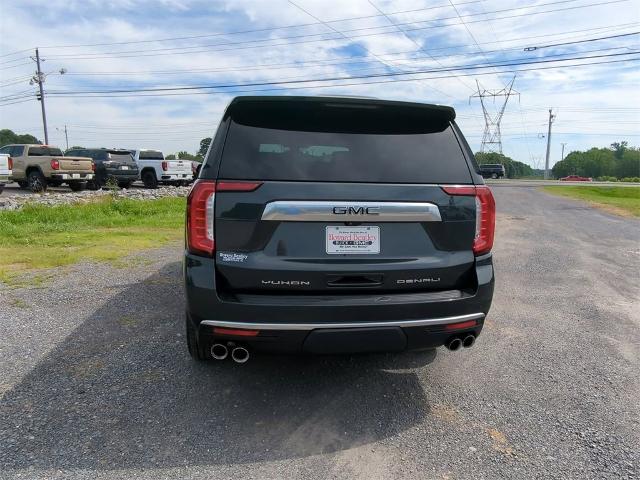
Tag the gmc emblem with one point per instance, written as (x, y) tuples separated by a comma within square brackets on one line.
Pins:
[(356, 210)]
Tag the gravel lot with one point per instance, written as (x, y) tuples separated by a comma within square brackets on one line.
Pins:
[(96, 381)]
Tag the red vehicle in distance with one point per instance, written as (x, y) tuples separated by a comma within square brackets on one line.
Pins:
[(576, 178)]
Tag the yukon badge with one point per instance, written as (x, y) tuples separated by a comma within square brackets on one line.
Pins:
[(286, 283), (356, 210)]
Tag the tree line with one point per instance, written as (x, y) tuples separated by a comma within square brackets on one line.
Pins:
[(619, 162), (512, 168)]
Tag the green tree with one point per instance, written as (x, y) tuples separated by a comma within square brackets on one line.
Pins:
[(618, 161), (8, 137), (512, 168), (204, 146), (619, 149)]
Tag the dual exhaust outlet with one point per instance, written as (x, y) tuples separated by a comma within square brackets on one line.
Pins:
[(457, 342), (220, 351)]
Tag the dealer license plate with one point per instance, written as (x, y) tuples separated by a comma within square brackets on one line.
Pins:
[(363, 239)]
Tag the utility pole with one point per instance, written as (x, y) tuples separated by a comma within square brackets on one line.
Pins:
[(562, 155), (546, 163), (66, 137), (40, 80)]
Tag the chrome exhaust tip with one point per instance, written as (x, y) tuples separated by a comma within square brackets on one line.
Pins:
[(454, 344), (240, 355), (468, 341), (219, 351)]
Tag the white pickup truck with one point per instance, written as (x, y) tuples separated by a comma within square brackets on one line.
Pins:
[(154, 169), (6, 165)]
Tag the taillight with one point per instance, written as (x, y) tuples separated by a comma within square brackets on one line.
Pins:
[(165, 166), (10, 163), (485, 214), (200, 212), (226, 186), (55, 164), (93, 166), (200, 217)]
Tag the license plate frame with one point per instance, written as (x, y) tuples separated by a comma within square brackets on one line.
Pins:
[(352, 240)]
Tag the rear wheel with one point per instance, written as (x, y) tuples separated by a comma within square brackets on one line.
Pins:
[(149, 179), (197, 353), (1, 187), (78, 186), (37, 182), (494, 175)]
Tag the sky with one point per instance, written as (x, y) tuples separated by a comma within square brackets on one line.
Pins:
[(200, 54)]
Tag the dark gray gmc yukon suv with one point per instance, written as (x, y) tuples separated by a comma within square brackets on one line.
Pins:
[(336, 225)]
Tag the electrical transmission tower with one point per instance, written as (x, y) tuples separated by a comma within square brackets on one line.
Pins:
[(492, 139)]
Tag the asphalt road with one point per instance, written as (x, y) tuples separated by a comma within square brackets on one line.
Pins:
[(96, 381)]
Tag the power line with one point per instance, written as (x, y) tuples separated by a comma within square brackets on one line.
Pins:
[(344, 59), (164, 51), (257, 30), (514, 62), (307, 87)]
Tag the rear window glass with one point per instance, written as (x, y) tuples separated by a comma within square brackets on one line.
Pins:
[(151, 155), (271, 154), (120, 157), (45, 151)]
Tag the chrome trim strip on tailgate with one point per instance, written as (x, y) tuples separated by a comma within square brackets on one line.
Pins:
[(336, 211), (313, 326)]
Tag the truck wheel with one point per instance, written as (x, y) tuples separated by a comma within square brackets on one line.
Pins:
[(195, 351), (23, 184), (78, 186), (37, 182), (149, 179), (1, 188), (494, 175)]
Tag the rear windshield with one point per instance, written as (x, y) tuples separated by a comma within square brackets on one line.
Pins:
[(271, 154), (120, 157), (45, 151), (151, 155)]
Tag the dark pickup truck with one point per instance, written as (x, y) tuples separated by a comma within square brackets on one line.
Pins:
[(492, 170)]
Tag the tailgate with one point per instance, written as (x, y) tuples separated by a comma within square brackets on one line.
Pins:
[(402, 238), (75, 164), (178, 166), (4, 164)]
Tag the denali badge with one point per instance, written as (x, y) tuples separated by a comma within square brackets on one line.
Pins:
[(292, 283), (418, 280), (356, 210)]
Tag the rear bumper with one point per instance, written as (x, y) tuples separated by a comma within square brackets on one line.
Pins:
[(364, 323), (72, 176), (122, 175), (176, 177)]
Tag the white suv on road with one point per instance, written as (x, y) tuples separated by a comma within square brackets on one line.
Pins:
[(154, 169)]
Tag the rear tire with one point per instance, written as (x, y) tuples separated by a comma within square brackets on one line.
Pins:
[(149, 179), (195, 350), (1, 188), (78, 186), (494, 175), (37, 182)]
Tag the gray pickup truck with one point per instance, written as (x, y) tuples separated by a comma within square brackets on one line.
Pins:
[(492, 170)]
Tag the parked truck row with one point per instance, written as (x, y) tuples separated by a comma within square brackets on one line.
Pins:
[(36, 167)]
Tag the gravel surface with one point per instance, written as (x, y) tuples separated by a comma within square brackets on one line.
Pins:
[(96, 381), (14, 201)]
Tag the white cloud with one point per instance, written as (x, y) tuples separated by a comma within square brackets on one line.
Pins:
[(595, 105)]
